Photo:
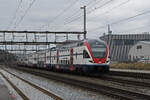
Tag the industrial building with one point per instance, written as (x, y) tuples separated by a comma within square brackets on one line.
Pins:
[(139, 51), (120, 44)]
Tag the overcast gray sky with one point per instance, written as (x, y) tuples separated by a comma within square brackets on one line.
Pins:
[(66, 15)]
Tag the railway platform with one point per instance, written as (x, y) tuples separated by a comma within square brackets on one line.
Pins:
[(4, 92)]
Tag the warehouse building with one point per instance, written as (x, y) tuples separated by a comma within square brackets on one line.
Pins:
[(139, 51), (120, 44)]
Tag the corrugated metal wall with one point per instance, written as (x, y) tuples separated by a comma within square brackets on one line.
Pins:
[(120, 45)]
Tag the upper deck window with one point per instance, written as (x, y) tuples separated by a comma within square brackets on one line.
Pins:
[(80, 44)]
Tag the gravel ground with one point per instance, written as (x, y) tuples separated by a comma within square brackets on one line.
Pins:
[(1, 81), (145, 90), (65, 91), (132, 88), (11, 90), (29, 91)]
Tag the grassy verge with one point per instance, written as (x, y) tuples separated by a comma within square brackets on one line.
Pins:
[(138, 66)]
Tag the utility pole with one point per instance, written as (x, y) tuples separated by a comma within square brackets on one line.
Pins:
[(109, 34), (109, 30), (85, 32)]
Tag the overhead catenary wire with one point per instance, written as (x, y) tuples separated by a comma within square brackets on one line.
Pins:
[(117, 6), (80, 16), (76, 14), (89, 12), (96, 8), (26, 11), (15, 14), (123, 20), (140, 14), (60, 14)]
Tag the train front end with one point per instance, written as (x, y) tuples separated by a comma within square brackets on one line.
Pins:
[(99, 55)]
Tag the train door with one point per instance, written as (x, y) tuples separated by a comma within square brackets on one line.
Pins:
[(86, 56), (45, 59), (57, 61), (50, 58), (71, 60)]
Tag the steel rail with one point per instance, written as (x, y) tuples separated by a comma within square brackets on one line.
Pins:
[(24, 97), (125, 81), (130, 74), (106, 90), (37, 87)]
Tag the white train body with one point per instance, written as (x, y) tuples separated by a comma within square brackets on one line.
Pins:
[(85, 55)]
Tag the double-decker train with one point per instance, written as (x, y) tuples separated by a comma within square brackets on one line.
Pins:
[(90, 55)]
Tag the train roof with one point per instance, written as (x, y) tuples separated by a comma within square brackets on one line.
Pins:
[(76, 43)]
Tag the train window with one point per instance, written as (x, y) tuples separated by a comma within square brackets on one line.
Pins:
[(139, 47), (85, 54)]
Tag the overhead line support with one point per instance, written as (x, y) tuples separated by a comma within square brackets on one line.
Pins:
[(85, 32), (41, 32)]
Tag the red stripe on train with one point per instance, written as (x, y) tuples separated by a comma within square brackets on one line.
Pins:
[(71, 60), (97, 60)]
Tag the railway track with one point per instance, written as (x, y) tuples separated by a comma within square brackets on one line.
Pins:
[(24, 97), (114, 92), (19, 91), (130, 74), (126, 81)]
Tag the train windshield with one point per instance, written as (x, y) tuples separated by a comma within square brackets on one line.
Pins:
[(98, 49)]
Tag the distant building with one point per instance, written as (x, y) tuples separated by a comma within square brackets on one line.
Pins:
[(139, 51), (120, 44)]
